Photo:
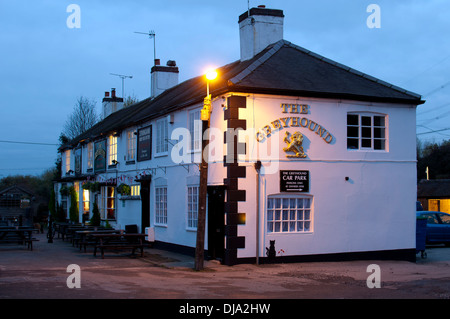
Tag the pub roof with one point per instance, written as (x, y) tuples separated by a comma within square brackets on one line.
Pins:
[(281, 69)]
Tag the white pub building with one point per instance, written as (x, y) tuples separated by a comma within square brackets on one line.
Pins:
[(308, 159)]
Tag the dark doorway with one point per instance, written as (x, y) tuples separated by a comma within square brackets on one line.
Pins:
[(145, 203), (216, 222)]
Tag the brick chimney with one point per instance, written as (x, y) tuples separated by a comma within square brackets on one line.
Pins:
[(111, 104), (163, 77), (258, 28)]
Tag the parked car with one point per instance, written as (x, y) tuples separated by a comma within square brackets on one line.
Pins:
[(419, 206), (438, 227)]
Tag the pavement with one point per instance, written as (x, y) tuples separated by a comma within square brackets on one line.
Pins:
[(59, 270)]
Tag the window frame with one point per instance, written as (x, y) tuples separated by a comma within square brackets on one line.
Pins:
[(131, 145), (105, 201), (67, 160), (161, 217), (162, 136), (90, 155), (195, 130), (292, 223), (191, 212), (364, 132), (112, 150)]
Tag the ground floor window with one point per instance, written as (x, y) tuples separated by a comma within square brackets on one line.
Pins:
[(289, 214), (192, 213), (135, 190), (108, 203), (161, 205)]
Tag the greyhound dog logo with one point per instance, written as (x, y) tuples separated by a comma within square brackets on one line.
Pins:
[(294, 144)]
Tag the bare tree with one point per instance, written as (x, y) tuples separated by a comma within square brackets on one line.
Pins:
[(82, 118), (130, 100)]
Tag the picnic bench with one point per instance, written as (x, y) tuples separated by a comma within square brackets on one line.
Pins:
[(17, 235), (119, 241), (84, 238)]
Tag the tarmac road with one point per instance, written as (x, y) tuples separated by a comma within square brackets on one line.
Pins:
[(43, 274)]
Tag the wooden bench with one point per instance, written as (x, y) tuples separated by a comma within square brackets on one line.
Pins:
[(119, 241), (84, 238), (19, 236)]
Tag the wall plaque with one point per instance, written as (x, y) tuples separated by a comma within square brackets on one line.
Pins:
[(294, 181)]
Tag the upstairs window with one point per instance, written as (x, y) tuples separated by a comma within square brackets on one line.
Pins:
[(366, 132), (90, 157), (161, 137), (112, 150), (67, 153), (131, 145), (195, 130)]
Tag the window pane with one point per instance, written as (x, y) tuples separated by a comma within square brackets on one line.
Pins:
[(292, 226), (277, 227), (307, 226), (366, 132), (366, 143), (352, 143), (378, 121), (366, 121), (307, 203), (352, 131), (378, 132), (379, 144), (352, 119)]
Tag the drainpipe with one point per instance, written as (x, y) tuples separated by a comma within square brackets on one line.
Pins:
[(257, 168)]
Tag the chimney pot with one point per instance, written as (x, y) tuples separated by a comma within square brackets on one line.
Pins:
[(261, 6), (113, 92), (106, 94), (157, 62)]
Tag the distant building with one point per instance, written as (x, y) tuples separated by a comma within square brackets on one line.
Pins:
[(17, 206), (309, 159), (434, 194)]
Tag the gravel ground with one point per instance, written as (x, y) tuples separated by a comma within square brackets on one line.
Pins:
[(43, 274)]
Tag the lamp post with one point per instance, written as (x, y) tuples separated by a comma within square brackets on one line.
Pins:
[(205, 116)]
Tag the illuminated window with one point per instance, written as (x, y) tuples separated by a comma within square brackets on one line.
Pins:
[(366, 132), (161, 205), (291, 214), (108, 203), (112, 150), (192, 212), (135, 190), (85, 201), (67, 153)]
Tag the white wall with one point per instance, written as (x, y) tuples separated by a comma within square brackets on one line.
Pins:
[(373, 210)]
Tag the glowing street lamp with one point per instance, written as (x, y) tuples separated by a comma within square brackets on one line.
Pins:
[(204, 115), (205, 112)]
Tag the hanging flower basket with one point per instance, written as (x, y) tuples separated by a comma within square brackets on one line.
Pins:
[(124, 189)]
